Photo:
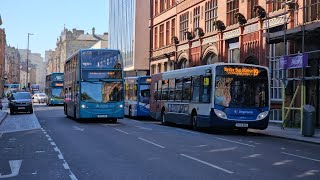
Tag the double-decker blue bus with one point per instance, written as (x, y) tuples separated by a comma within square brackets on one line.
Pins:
[(93, 85), (218, 95), (34, 88), (137, 96), (54, 88)]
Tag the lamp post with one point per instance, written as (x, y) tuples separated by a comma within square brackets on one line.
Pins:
[(28, 60)]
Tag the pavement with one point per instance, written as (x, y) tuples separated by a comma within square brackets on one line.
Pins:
[(288, 133), (4, 112)]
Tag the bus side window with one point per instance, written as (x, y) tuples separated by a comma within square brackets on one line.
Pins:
[(159, 89), (187, 89), (171, 89), (164, 90), (155, 90), (195, 89), (178, 91), (205, 90)]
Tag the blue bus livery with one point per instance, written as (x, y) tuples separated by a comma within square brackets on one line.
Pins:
[(54, 88), (137, 96), (93, 85)]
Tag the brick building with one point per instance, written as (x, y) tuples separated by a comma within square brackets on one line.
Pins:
[(188, 33), (2, 57)]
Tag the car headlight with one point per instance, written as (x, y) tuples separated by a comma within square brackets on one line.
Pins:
[(220, 114), (121, 106), (262, 115)]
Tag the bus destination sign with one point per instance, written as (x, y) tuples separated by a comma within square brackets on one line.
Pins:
[(241, 71), (58, 84), (91, 74)]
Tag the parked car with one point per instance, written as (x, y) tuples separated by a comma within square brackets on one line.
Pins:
[(20, 102), (39, 97)]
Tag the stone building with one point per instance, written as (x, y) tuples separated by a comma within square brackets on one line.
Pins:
[(129, 32), (68, 43), (188, 33), (2, 56), (12, 65), (37, 68)]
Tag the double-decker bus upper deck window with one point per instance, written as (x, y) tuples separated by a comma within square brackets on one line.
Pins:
[(100, 59)]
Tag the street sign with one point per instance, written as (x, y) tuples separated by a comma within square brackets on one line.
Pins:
[(293, 62)]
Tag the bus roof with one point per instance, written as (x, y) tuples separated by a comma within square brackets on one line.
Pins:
[(87, 49)]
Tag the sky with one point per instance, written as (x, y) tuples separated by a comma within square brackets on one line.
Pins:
[(47, 18)]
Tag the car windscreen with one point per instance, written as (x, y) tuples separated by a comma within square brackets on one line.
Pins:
[(17, 96)]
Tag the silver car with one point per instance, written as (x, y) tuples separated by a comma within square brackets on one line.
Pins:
[(39, 98)]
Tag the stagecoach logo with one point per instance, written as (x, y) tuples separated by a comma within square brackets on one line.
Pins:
[(242, 112)]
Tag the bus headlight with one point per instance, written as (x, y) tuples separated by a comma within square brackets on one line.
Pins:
[(83, 106), (220, 114), (121, 106), (262, 115)]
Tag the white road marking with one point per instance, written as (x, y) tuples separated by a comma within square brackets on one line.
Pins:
[(56, 149), (152, 143), (78, 129), (49, 139), (223, 149), (60, 156), (52, 143), (121, 131), (47, 135), (208, 164), (252, 156), (66, 166), (191, 132), (235, 142), (202, 145), (40, 151), (34, 173), (15, 168), (1, 135), (316, 160), (144, 128), (308, 173), (281, 162), (73, 177)]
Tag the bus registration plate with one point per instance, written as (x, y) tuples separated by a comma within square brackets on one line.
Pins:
[(241, 125), (102, 116)]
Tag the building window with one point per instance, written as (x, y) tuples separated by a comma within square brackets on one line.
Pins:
[(161, 34), (173, 2), (159, 68), (234, 53), (156, 7), (276, 50), (165, 67), (232, 9), (173, 29), (196, 17), (211, 15), (162, 6), (153, 69), (156, 38), (275, 116), (167, 33), (184, 19), (275, 6), (167, 4), (312, 10), (253, 3)]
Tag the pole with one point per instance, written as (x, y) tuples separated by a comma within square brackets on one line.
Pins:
[(28, 61)]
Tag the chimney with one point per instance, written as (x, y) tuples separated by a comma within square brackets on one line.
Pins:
[(93, 31)]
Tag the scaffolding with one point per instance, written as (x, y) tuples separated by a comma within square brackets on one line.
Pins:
[(292, 7)]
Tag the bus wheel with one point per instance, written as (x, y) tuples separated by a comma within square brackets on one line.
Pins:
[(194, 122), (163, 118), (114, 120)]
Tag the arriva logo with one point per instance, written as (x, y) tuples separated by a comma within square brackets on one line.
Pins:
[(103, 106)]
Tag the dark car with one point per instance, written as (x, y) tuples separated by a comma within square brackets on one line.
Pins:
[(20, 102)]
